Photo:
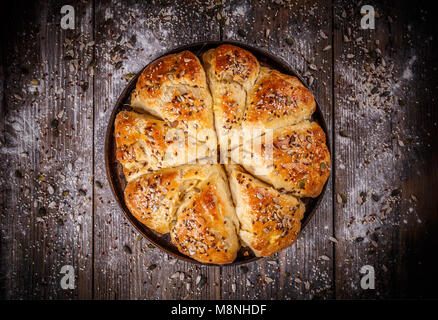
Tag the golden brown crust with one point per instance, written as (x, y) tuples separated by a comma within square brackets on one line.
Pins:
[(231, 72), (182, 68), (155, 197), (193, 202), (269, 221), (174, 89), (206, 225), (228, 63), (129, 129), (229, 106), (277, 100), (145, 144), (152, 199), (299, 163)]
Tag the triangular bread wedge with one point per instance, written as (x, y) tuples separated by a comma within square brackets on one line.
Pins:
[(206, 223), (231, 72), (269, 220), (145, 144), (277, 100), (174, 89), (297, 160), (155, 197)]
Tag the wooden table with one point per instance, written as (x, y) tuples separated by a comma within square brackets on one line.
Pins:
[(377, 92)]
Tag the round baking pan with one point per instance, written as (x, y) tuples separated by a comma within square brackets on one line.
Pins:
[(115, 172)]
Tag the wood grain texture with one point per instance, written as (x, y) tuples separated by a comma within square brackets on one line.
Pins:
[(125, 266), (385, 124), (376, 88), (45, 151), (292, 32)]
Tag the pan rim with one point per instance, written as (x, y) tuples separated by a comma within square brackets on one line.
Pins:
[(279, 62)]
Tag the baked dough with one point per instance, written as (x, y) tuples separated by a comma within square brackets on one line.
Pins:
[(299, 161), (154, 198), (174, 89), (248, 99), (206, 225), (231, 72), (261, 119), (277, 100), (194, 204), (269, 220), (145, 144)]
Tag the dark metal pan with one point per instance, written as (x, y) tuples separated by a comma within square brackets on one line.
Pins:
[(114, 169)]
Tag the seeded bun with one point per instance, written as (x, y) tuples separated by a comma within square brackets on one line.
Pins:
[(206, 223), (174, 89), (299, 161), (231, 72), (269, 220), (145, 144), (277, 100)]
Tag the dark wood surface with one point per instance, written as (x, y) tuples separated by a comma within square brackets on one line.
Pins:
[(376, 89)]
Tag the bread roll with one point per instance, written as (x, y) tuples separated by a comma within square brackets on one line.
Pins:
[(269, 221), (145, 144), (155, 197), (277, 100), (174, 89), (261, 119), (206, 224), (231, 72), (298, 162)]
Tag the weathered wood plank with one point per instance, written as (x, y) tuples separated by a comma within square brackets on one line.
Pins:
[(46, 150), (158, 27), (292, 32), (385, 146), (386, 150)]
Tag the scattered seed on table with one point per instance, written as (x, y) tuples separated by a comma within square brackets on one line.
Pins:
[(127, 249)]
